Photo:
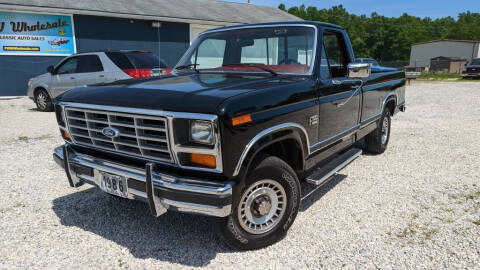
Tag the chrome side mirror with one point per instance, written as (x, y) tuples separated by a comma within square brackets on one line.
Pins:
[(359, 70)]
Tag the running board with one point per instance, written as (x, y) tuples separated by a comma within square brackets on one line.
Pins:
[(322, 174)]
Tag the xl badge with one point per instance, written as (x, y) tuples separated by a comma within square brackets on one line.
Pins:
[(110, 132)]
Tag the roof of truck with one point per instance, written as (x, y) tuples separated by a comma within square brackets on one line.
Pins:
[(317, 23)]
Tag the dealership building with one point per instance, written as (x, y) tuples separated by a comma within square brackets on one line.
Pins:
[(37, 33)]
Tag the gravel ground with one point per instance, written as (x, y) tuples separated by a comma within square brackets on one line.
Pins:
[(416, 206)]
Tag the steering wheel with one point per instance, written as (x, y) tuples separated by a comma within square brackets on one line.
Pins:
[(289, 61)]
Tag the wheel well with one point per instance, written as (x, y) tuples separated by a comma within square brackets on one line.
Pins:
[(38, 89), (289, 150), (391, 106)]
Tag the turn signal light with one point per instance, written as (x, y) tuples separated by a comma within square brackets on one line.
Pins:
[(203, 160), (242, 119), (65, 135)]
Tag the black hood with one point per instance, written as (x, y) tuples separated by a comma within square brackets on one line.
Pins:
[(200, 93)]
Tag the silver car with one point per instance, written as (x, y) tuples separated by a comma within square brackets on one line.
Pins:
[(91, 68)]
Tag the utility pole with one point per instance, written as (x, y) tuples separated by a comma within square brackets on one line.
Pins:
[(249, 1)]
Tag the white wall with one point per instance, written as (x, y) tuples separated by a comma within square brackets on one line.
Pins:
[(421, 54), (196, 29)]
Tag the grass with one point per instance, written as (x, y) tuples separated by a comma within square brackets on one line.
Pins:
[(26, 138), (444, 76), (438, 76), (477, 222)]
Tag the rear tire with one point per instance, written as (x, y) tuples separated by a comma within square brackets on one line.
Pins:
[(376, 142), (265, 208), (43, 101)]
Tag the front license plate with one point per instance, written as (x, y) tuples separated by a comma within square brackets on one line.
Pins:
[(114, 184)]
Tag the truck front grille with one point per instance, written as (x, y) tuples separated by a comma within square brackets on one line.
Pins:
[(138, 135)]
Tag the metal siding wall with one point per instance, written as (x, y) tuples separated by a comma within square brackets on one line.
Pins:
[(16, 70), (98, 33)]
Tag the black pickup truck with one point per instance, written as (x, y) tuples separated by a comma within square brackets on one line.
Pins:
[(249, 113)]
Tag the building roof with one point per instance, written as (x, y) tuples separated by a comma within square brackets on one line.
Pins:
[(447, 40), (209, 12)]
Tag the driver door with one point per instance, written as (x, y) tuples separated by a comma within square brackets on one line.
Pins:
[(64, 77), (339, 96)]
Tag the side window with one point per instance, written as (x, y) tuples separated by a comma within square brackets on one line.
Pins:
[(209, 54), (336, 53), (120, 60), (324, 67), (68, 67), (89, 63)]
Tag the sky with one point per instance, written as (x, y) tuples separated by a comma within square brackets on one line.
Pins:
[(390, 8)]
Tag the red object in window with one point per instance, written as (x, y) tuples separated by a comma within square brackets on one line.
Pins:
[(167, 70), (139, 72)]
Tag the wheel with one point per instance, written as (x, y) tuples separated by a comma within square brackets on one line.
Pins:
[(265, 209), (376, 142), (43, 101)]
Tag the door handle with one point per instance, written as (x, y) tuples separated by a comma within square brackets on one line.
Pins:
[(337, 82), (101, 76), (72, 78)]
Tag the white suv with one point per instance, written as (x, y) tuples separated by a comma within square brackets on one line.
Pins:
[(91, 68)]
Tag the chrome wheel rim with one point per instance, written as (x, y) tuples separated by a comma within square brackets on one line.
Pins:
[(42, 100), (385, 129), (262, 206)]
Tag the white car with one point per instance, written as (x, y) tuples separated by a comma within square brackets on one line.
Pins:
[(92, 68)]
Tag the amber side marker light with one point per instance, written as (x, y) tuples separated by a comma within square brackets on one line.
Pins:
[(242, 119), (65, 135), (203, 160)]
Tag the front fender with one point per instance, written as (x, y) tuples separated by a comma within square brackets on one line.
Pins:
[(270, 136)]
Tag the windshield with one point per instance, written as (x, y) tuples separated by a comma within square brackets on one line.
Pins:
[(475, 62), (286, 49)]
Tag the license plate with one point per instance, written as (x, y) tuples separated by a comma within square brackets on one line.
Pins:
[(114, 184)]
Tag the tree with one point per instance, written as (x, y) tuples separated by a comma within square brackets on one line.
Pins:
[(390, 39)]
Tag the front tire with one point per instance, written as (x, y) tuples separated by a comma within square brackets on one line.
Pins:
[(43, 101), (377, 141), (266, 207)]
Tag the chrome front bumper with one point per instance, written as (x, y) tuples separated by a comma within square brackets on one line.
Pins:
[(161, 191)]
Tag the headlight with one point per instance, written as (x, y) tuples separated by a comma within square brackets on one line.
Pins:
[(201, 132)]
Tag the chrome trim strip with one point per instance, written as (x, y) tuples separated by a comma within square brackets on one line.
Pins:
[(175, 148), (375, 84), (315, 40), (200, 116), (263, 134), (345, 133), (157, 179), (370, 118)]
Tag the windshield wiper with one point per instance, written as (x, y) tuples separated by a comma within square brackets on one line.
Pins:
[(259, 66), (188, 66)]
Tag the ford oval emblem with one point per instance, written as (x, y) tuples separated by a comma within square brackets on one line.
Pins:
[(110, 132)]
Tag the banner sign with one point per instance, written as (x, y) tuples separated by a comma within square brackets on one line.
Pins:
[(36, 34)]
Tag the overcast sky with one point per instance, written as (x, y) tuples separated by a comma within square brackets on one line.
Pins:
[(420, 8)]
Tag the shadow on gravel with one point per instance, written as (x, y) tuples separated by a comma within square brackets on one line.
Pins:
[(311, 193), (173, 237)]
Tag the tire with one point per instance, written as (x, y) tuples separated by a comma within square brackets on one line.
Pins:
[(376, 142), (271, 182), (43, 101)]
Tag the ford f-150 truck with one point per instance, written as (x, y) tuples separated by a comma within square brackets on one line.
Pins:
[(249, 114)]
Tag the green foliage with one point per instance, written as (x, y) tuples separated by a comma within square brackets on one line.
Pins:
[(388, 39), (438, 76)]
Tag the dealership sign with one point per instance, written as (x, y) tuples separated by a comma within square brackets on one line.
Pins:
[(36, 34)]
